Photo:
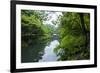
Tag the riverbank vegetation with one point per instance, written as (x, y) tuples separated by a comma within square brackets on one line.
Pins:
[(72, 30), (34, 34), (74, 33)]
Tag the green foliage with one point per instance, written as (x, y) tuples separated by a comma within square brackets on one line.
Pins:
[(74, 33), (87, 21), (34, 34), (32, 26)]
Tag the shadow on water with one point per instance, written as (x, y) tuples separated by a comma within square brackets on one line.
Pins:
[(40, 51), (32, 53)]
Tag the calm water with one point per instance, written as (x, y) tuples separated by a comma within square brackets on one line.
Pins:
[(40, 52), (49, 54)]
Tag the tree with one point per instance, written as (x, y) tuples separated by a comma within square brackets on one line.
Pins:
[(74, 36), (34, 34)]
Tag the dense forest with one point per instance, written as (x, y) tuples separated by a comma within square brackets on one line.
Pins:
[(72, 30), (74, 33), (33, 32)]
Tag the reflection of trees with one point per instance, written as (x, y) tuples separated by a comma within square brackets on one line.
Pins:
[(34, 35), (72, 32), (34, 51)]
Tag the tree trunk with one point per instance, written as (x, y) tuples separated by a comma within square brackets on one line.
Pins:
[(84, 31)]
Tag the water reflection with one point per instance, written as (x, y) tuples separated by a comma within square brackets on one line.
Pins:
[(49, 54), (32, 53), (40, 51)]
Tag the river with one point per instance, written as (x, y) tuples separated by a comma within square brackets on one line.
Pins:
[(42, 52), (49, 54)]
